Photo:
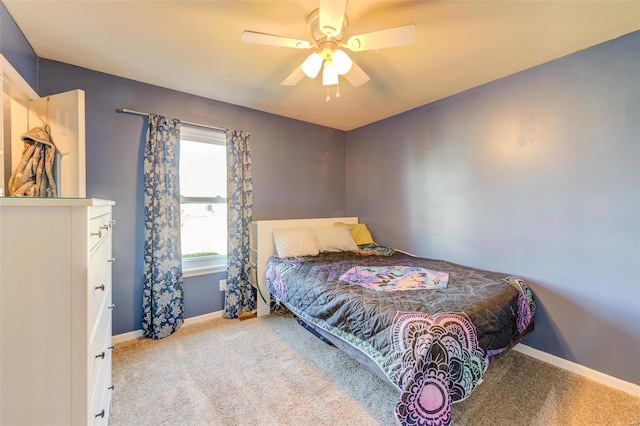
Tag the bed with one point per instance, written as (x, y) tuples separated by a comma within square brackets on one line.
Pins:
[(428, 327)]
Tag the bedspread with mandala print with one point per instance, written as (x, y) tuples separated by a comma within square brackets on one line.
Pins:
[(434, 345)]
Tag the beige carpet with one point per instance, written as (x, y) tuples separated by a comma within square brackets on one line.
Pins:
[(271, 371)]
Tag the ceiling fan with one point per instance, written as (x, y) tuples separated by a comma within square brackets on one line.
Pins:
[(327, 26)]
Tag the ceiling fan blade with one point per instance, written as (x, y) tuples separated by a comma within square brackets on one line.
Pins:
[(356, 76), (274, 40), (294, 78), (332, 16), (391, 37)]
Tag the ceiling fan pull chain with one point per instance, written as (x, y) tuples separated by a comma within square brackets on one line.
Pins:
[(338, 89), (327, 99)]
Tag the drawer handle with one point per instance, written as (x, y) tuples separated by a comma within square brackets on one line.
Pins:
[(112, 307), (112, 347), (100, 414), (100, 287), (105, 227), (112, 260), (97, 234), (112, 222), (100, 355), (112, 387)]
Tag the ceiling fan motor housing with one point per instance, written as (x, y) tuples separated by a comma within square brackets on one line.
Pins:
[(329, 33)]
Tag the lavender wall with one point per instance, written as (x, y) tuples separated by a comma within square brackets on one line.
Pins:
[(298, 170), (16, 49), (536, 175)]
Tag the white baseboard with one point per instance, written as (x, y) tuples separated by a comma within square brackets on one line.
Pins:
[(124, 337), (203, 318), (605, 379), (137, 334)]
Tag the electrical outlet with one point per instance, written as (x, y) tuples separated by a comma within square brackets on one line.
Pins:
[(223, 285)]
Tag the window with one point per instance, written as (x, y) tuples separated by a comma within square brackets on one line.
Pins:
[(203, 200)]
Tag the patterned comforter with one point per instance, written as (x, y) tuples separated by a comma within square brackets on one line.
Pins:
[(433, 344)]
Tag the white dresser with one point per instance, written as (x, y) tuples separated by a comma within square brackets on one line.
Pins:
[(55, 311)]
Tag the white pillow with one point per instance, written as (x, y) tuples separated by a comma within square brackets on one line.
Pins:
[(294, 242), (335, 238)]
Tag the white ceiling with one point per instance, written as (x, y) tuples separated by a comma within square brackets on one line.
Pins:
[(195, 47)]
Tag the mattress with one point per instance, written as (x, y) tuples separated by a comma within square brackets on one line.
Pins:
[(433, 344)]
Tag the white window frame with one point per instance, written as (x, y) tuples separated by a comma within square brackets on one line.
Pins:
[(204, 265)]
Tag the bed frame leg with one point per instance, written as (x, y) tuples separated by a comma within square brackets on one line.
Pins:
[(264, 301)]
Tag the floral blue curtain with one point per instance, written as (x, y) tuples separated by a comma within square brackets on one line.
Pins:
[(162, 294), (239, 295)]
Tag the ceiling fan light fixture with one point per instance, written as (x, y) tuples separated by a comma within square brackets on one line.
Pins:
[(311, 66), (329, 74), (341, 62)]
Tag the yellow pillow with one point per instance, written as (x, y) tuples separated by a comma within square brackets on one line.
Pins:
[(359, 232)]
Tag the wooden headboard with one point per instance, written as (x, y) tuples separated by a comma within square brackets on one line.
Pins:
[(261, 247)]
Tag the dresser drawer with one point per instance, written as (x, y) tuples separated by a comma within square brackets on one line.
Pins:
[(101, 395), (100, 273), (106, 401), (100, 225), (99, 347)]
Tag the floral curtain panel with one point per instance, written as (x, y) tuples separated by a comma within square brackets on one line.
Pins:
[(239, 295), (163, 286)]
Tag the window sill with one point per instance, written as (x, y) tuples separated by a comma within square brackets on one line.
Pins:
[(194, 267)]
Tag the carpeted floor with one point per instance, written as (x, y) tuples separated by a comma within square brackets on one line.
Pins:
[(271, 371)]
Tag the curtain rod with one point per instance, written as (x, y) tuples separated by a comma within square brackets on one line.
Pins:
[(188, 123)]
